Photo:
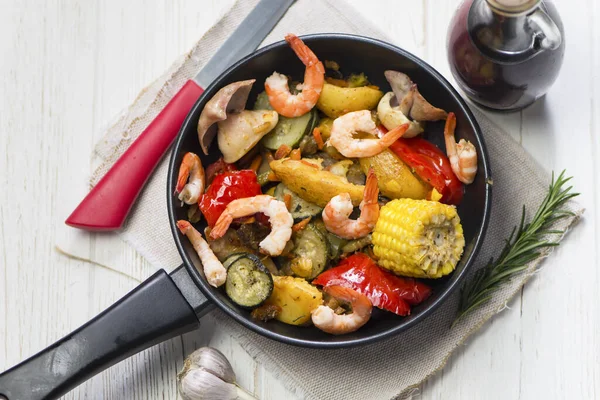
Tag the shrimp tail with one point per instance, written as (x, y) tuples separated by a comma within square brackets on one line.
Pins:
[(449, 140), (371, 192), (221, 226), (304, 53), (450, 125), (183, 226), (462, 155), (184, 174), (393, 135)]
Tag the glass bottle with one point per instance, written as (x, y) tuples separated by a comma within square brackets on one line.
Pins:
[(505, 54)]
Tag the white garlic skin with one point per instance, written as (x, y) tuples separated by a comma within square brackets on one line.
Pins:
[(211, 360), (199, 384), (208, 375)]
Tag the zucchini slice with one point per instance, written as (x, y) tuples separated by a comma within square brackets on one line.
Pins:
[(336, 243), (248, 282), (262, 102), (288, 131), (310, 254), (231, 258), (300, 208)]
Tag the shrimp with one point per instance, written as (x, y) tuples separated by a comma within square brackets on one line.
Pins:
[(213, 269), (277, 89), (339, 208), (328, 321), (280, 218), (462, 155), (360, 121), (191, 167)]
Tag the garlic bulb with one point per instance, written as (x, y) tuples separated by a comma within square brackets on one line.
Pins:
[(208, 375)]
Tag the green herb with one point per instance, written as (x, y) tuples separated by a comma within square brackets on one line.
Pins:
[(524, 245)]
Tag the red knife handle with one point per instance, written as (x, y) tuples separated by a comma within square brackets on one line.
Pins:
[(107, 205)]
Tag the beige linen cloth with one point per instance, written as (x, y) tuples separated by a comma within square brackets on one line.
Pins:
[(387, 369)]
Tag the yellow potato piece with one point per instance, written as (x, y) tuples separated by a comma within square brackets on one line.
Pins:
[(296, 297), (325, 125), (335, 101), (312, 184), (395, 179)]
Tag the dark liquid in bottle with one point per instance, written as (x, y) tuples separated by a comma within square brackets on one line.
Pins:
[(499, 85)]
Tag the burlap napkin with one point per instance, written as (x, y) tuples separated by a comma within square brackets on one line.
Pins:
[(383, 370)]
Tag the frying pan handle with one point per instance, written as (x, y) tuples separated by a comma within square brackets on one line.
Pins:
[(106, 206), (154, 311)]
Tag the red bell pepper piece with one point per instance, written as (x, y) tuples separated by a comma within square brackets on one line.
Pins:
[(225, 188), (384, 289), (430, 164)]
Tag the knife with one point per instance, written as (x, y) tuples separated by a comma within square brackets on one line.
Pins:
[(106, 206)]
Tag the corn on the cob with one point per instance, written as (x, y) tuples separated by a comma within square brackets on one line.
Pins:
[(418, 238)]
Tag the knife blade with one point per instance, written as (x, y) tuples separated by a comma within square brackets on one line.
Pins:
[(107, 205), (243, 41)]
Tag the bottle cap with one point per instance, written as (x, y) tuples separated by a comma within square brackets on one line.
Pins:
[(513, 6)]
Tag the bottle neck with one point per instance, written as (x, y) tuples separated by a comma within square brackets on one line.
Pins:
[(502, 36)]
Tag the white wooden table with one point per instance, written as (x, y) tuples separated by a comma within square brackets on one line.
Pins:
[(67, 68)]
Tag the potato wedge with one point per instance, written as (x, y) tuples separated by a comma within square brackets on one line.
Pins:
[(241, 131), (335, 101), (395, 178), (314, 184), (296, 297)]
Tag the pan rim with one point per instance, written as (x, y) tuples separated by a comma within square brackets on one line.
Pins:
[(208, 291)]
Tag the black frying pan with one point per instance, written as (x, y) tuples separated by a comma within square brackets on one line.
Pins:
[(166, 305)]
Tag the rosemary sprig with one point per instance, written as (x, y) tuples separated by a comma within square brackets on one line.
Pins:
[(524, 245)]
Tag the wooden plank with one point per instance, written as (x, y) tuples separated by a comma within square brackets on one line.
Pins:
[(75, 65)]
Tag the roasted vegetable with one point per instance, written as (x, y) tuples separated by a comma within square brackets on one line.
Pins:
[(225, 188), (313, 184), (418, 238), (252, 234), (357, 244), (324, 126), (355, 174), (229, 99), (412, 103), (310, 253), (240, 132), (385, 290), (232, 257), (431, 165), (395, 178), (218, 167), (336, 243), (358, 80), (262, 102), (308, 146), (248, 283), (290, 131), (299, 208), (296, 298), (265, 312), (392, 117), (335, 101), (226, 246)]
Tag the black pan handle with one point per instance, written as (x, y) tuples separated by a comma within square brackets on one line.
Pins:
[(154, 311)]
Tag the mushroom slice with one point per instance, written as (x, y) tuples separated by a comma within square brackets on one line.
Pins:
[(412, 103), (230, 99), (240, 132), (392, 117)]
